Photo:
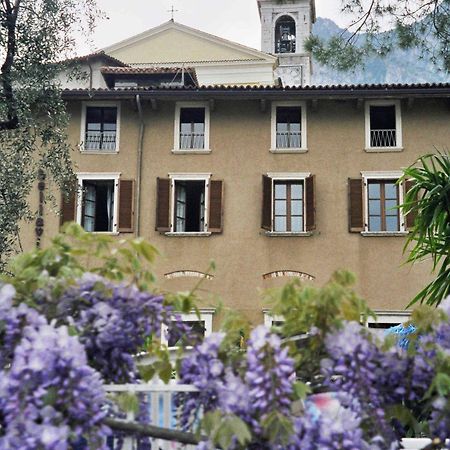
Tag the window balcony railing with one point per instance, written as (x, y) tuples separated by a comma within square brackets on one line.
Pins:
[(100, 140), (289, 139), (192, 140), (383, 138)]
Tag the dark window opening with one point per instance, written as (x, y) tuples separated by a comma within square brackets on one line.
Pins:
[(189, 206), (192, 128), (383, 129), (289, 127), (288, 206), (382, 326), (101, 128), (98, 205), (285, 35), (383, 200), (197, 328)]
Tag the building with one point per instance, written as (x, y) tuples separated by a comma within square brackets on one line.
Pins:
[(205, 152)]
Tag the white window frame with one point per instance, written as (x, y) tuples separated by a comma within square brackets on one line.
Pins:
[(174, 177), (393, 175), (114, 176), (298, 176), (388, 317), (304, 145), (176, 145), (398, 125), (84, 106), (206, 315), (269, 318)]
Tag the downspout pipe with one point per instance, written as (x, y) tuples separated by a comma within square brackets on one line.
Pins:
[(139, 165)]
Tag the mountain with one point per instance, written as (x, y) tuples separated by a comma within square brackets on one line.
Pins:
[(399, 66)]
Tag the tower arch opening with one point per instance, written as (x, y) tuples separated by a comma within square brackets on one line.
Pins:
[(285, 35)]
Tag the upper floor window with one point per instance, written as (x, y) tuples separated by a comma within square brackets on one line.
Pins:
[(191, 127), (288, 203), (189, 203), (382, 205), (383, 125), (285, 35), (386, 320), (288, 126), (100, 127)]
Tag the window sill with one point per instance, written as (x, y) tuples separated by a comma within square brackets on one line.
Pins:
[(99, 152), (384, 233), (288, 234), (194, 151), (383, 149), (190, 234), (288, 150)]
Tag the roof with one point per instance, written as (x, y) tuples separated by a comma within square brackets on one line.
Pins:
[(96, 55)]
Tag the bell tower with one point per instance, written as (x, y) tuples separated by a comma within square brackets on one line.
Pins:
[(285, 24)]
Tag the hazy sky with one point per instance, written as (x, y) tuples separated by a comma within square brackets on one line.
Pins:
[(237, 20)]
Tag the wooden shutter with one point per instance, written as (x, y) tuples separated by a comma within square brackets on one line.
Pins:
[(215, 224), (355, 200), (68, 205), (126, 206), (162, 204), (266, 221), (411, 217), (310, 204)]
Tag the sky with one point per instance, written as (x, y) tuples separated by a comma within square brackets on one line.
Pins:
[(237, 20)]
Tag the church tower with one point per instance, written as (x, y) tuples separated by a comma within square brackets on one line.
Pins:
[(285, 24)]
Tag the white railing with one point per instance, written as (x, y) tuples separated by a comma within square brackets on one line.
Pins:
[(383, 138), (100, 140), (161, 409), (192, 140), (289, 139)]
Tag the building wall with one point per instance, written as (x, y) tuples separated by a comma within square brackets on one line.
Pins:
[(240, 139)]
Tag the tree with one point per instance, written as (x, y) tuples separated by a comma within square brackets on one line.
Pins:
[(34, 35), (429, 202), (415, 23)]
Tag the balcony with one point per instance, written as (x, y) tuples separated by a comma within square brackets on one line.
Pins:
[(289, 139), (383, 138), (100, 140), (192, 140)]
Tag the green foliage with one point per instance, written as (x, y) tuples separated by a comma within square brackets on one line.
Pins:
[(429, 201)]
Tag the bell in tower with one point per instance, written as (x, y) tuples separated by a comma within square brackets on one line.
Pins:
[(285, 24)]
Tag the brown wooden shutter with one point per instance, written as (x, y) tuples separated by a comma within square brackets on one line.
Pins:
[(266, 221), (215, 224), (355, 200), (310, 220), (162, 204), (68, 205), (411, 217), (126, 206)]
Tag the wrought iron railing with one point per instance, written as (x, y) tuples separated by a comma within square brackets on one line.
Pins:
[(289, 139), (383, 138), (192, 140), (100, 140)]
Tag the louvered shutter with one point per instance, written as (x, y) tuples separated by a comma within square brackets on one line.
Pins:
[(68, 205), (162, 204), (411, 217), (355, 199), (215, 224), (266, 221), (126, 206), (310, 220)]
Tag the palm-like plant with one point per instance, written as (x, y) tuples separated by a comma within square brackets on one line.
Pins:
[(428, 200)]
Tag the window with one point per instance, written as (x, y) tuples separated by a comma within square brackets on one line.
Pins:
[(288, 203), (288, 126), (386, 320), (374, 201), (101, 202), (200, 324), (189, 203), (271, 320), (383, 125), (191, 127), (100, 127), (285, 35)]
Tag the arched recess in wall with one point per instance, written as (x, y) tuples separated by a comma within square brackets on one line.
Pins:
[(288, 273), (285, 35), (188, 274)]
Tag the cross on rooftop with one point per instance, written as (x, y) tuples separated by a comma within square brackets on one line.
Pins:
[(172, 10)]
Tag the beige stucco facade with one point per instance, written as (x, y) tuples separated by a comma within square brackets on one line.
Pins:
[(240, 143)]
